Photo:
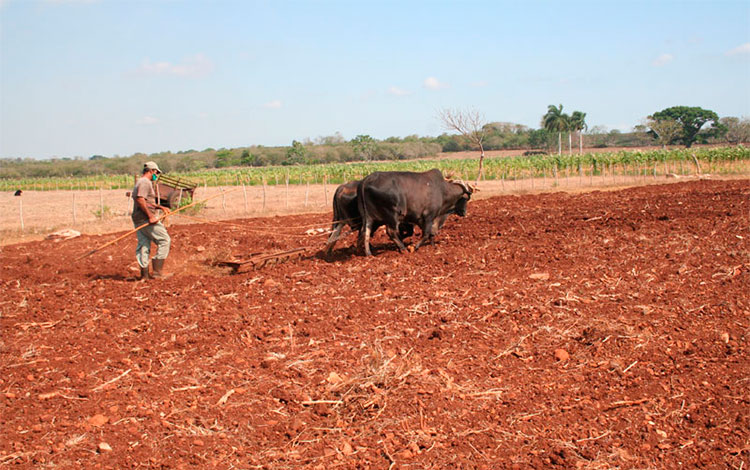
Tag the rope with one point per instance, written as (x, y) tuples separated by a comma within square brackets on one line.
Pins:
[(201, 219), (260, 231)]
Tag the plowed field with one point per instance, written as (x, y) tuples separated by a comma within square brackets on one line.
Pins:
[(596, 330)]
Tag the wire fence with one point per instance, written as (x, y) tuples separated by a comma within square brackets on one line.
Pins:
[(101, 210)]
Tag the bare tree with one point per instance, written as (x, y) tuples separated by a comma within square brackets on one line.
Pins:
[(470, 124), (738, 130)]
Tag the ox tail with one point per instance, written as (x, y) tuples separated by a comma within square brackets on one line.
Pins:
[(336, 211), (363, 239), (336, 225)]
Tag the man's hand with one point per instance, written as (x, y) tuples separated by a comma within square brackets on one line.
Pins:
[(152, 219)]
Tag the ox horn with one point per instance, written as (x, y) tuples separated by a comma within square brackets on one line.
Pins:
[(468, 189)]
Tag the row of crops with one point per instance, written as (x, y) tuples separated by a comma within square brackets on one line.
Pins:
[(680, 161)]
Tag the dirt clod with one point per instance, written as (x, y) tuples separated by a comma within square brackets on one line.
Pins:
[(561, 355), (98, 420)]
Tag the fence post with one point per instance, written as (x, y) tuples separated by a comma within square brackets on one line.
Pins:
[(325, 188), (74, 208), (307, 191), (244, 195), (20, 210), (101, 203), (287, 189), (264, 195), (223, 200)]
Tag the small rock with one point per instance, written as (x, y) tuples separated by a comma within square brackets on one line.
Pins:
[(624, 454), (561, 355), (539, 276), (334, 378), (405, 454), (98, 420), (725, 337), (104, 447), (270, 283), (346, 448), (198, 443), (662, 434)]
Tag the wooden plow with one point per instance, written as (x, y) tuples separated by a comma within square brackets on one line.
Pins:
[(260, 260)]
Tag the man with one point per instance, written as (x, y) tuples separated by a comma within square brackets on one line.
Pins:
[(144, 205)]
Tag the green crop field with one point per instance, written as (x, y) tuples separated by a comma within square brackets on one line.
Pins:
[(721, 160)]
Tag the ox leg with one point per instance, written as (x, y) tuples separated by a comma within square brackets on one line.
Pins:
[(426, 234), (333, 238), (393, 233), (364, 238)]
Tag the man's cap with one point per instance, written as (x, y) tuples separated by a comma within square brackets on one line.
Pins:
[(151, 166)]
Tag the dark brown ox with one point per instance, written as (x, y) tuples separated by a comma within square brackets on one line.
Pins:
[(346, 212), (394, 198)]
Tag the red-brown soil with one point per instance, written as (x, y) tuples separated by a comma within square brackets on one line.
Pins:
[(596, 330)]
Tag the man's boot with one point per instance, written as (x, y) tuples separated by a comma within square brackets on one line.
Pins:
[(144, 274), (158, 267)]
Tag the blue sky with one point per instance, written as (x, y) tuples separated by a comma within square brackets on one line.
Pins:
[(116, 77)]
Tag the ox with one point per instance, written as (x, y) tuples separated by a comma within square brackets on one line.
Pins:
[(394, 198), (346, 212)]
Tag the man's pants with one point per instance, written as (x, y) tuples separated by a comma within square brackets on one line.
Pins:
[(156, 233)]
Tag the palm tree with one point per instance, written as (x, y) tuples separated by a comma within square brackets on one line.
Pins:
[(555, 120), (578, 123)]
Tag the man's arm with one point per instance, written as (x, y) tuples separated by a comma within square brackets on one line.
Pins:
[(146, 208)]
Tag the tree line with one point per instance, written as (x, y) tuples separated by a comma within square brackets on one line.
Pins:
[(676, 125)]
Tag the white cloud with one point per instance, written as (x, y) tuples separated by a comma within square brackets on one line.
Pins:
[(662, 60), (147, 121), (744, 49), (480, 84), (394, 90), (432, 83), (195, 66), (275, 104)]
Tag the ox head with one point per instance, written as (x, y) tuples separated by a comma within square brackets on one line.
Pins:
[(467, 191)]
